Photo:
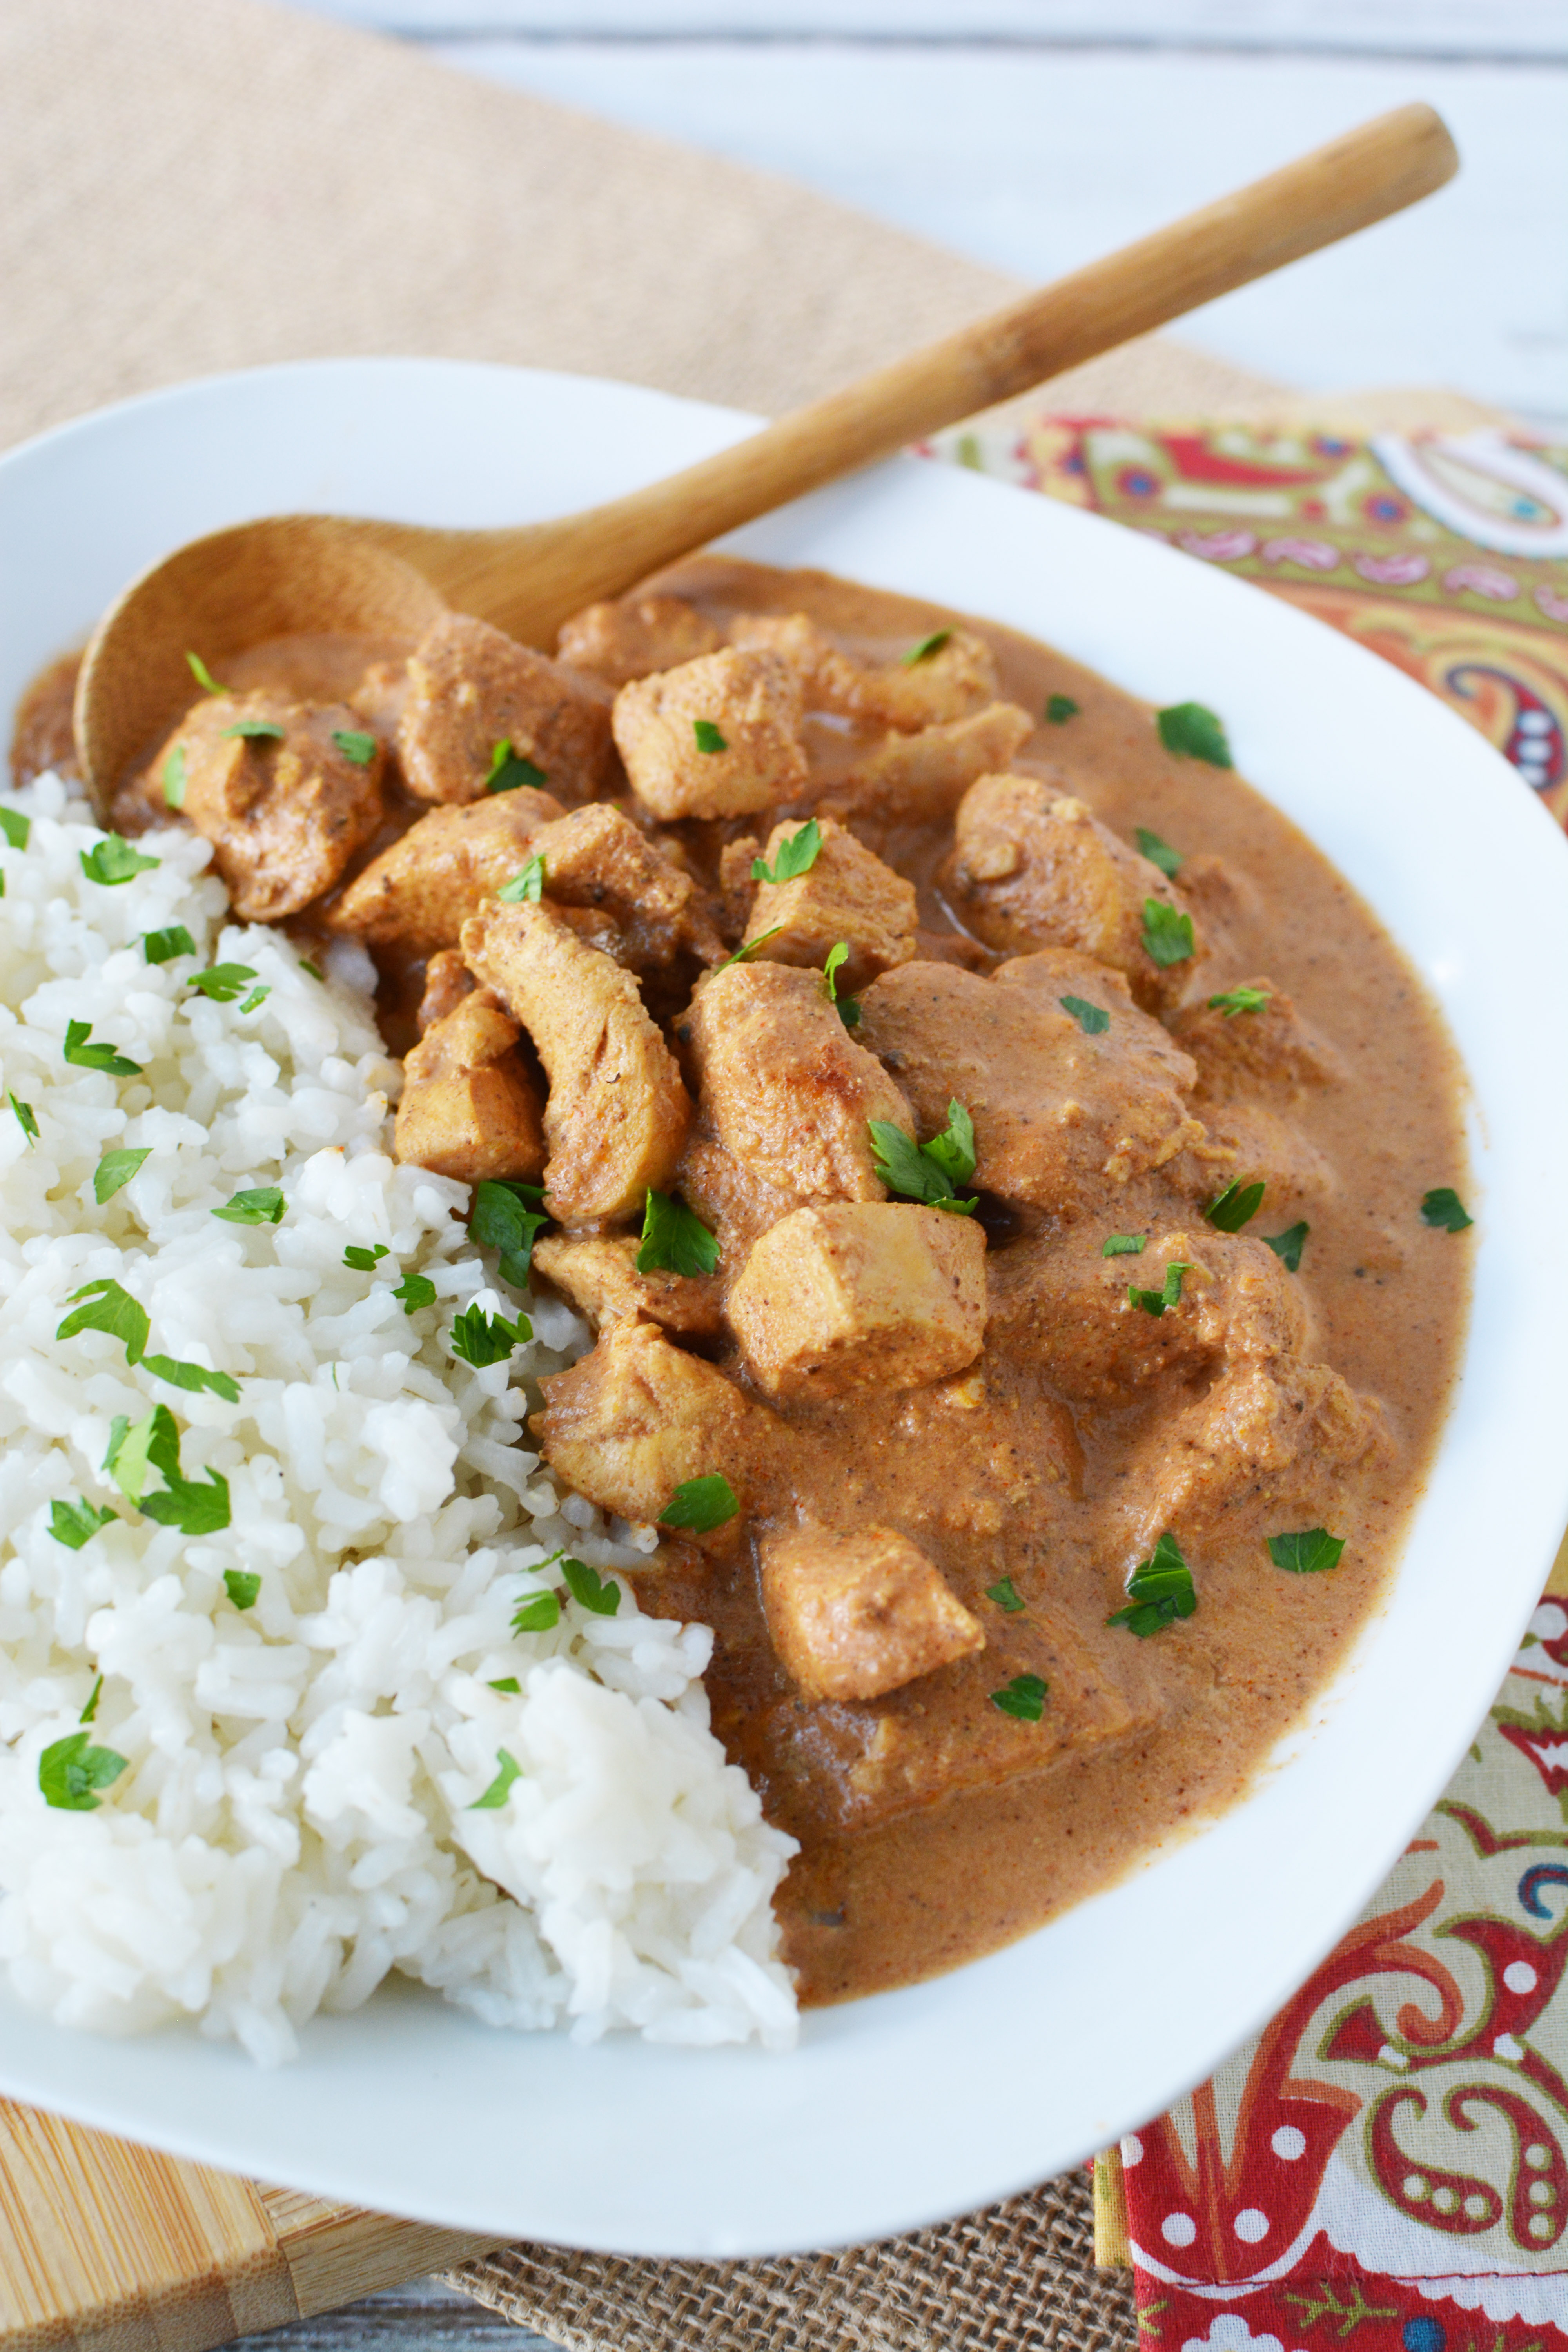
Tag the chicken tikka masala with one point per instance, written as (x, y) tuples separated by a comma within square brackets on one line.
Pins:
[(988, 1140)]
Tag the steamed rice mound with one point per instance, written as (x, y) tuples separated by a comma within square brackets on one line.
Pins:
[(296, 1815)]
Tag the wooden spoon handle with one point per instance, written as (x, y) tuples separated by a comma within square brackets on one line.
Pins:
[(1363, 177)]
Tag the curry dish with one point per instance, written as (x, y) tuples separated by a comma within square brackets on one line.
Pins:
[(988, 1140)]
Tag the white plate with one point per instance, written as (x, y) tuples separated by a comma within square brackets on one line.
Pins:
[(912, 2106)]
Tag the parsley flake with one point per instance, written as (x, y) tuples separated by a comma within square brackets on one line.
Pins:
[(362, 1260), (1024, 1697), (793, 856), (112, 861), (600, 1594), (1059, 709), (1006, 1595), (72, 1771), (202, 676), (26, 1119), (1159, 1590), (707, 737), (222, 982), (241, 1587), (74, 1523), (360, 749), (112, 1309), (526, 883), (510, 773), (314, 969), (700, 1503), (162, 947), (507, 1682), (495, 1795), (257, 996), (415, 1291), (1235, 1207), (1306, 1553), (540, 1613), (925, 649), (154, 1443), (1444, 1208), (927, 1172), (15, 827), (478, 1339), (748, 948), (505, 1216), (1092, 1019), (1159, 853), (175, 778), (1124, 1245), (1232, 1001), (674, 1238), (849, 1007), (115, 1169), (1167, 936), (90, 1711), (83, 1055), (261, 1205), (1192, 732), (1287, 1246), (1154, 1302), (266, 730)]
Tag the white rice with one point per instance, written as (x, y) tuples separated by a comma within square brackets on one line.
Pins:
[(295, 1814)]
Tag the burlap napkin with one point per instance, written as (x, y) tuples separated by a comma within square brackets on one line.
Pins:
[(192, 185)]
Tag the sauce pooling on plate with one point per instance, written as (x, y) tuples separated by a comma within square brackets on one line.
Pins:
[(989, 1141)]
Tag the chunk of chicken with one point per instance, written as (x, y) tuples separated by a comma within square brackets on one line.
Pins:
[(921, 779), (1032, 869), (1237, 1052), (718, 737), (629, 1423), (617, 1113), (270, 786), (853, 1616), (1058, 1114), (1247, 1142), (448, 980), (469, 1109), (418, 894), (472, 687), (847, 893), (787, 1095), (635, 636), (597, 858), (861, 1294), (927, 689), (598, 1273)]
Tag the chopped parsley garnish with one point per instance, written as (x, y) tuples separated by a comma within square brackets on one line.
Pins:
[(527, 883), (363, 1260), (1306, 1553), (700, 1503), (510, 772), (1024, 1697), (415, 1291), (1159, 853), (90, 1709), (261, 1205), (707, 736), (72, 1771), (540, 1613), (1287, 1246), (101, 1056), (74, 1523), (360, 749), (1159, 1590), (113, 1310), (162, 947), (1232, 1001), (748, 947), (257, 996), (222, 982), (112, 860), (1444, 1208), (1059, 709), (1154, 1302), (204, 676), (478, 1339), (1167, 935), (1124, 1245), (15, 827), (314, 969), (495, 1795), (1235, 1207), (601, 1595), (266, 728), (674, 1238), (175, 778), (1192, 732), (1006, 1595), (26, 1119), (1092, 1019), (115, 1169), (138, 1448), (505, 1217), (927, 1172), (241, 1587), (793, 856), (507, 1682), (849, 1007), (925, 649)]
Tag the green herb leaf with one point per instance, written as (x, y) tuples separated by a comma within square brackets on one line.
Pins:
[(1192, 732), (478, 1339), (25, 1120), (674, 1238), (508, 1683), (129, 1459), (241, 1587), (415, 1291), (162, 947), (175, 777), (527, 883), (314, 969), (1235, 1207), (1159, 1590), (257, 996), (362, 1260), (1167, 935), (15, 827), (90, 1711), (1154, 1302), (1059, 709), (1159, 853), (794, 856), (1124, 1245), (1287, 1246), (360, 749), (591, 1590), (1092, 1019), (113, 1309), (74, 1524), (112, 860), (540, 1613), (101, 1056), (510, 772), (204, 676), (261, 1205), (1307, 1552), (1232, 1001), (1024, 1697), (194, 1379), (505, 1217), (72, 1771), (926, 647), (1006, 1595), (700, 1503), (1444, 1208), (223, 982), (748, 947), (265, 729), (927, 1172), (115, 1169), (196, 1510), (708, 736), (495, 1795), (848, 1008)]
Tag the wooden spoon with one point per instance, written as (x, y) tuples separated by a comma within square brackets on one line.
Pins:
[(315, 572)]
